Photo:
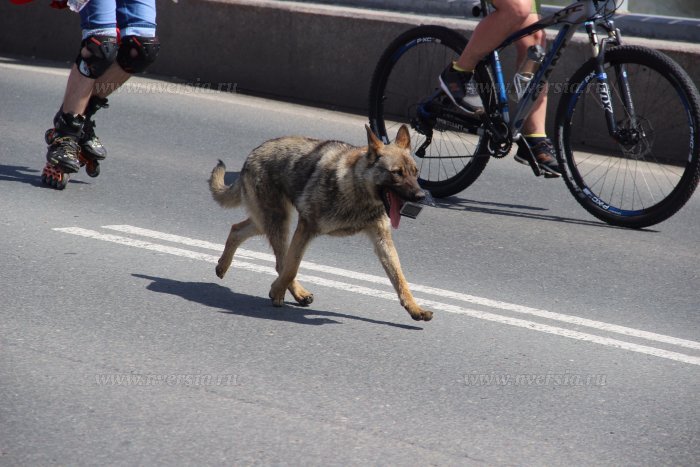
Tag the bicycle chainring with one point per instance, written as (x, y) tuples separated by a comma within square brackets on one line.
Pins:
[(501, 149)]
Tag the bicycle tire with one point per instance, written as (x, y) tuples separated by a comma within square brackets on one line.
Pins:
[(661, 170), (413, 61)]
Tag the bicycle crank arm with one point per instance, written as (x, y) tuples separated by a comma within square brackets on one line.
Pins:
[(420, 152)]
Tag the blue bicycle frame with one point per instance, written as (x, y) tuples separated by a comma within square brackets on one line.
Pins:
[(579, 12)]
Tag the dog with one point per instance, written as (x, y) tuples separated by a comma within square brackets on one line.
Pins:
[(337, 189)]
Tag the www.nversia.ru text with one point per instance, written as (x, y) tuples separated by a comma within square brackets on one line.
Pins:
[(535, 379), (166, 380)]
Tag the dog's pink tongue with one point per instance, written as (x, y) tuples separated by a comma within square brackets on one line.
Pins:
[(394, 209)]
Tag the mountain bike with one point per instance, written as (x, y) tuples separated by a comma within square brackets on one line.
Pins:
[(626, 126)]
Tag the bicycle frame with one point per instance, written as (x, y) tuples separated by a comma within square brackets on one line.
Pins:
[(577, 13)]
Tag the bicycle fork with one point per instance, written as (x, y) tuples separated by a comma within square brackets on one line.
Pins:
[(628, 136)]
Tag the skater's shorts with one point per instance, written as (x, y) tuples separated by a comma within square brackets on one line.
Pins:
[(132, 17)]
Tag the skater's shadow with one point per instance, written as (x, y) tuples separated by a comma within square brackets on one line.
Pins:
[(227, 301), (23, 174), (16, 173)]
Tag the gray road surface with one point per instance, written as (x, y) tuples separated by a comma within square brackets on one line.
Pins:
[(557, 340)]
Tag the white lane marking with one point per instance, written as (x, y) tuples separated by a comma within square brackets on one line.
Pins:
[(391, 296), (417, 288)]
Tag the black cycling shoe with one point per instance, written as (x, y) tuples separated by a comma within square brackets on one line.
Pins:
[(90, 144), (543, 149), (461, 89), (63, 141)]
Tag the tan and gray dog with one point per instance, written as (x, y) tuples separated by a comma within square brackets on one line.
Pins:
[(337, 189)]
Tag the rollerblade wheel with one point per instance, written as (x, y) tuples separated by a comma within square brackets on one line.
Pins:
[(92, 168), (60, 183), (54, 177)]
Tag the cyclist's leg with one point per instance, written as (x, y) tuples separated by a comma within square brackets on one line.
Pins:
[(509, 16), (457, 79), (534, 127), (535, 122)]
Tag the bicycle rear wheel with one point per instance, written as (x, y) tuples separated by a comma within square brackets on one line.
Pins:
[(405, 89), (648, 171)]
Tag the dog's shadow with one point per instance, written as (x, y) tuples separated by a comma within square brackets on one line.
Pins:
[(226, 301)]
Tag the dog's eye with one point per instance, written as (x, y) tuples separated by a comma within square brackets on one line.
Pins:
[(397, 172)]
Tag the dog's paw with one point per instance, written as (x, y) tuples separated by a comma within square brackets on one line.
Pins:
[(305, 300), (277, 299), (300, 294), (422, 315), (221, 272)]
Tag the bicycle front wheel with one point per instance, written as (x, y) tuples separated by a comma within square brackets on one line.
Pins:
[(405, 89), (648, 170)]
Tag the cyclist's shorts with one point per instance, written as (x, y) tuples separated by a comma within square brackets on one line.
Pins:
[(535, 5)]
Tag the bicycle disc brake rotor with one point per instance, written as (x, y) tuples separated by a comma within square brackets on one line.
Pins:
[(636, 138)]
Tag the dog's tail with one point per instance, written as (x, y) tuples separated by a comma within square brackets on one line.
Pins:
[(227, 196)]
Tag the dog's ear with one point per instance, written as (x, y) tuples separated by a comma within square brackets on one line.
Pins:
[(374, 143), (403, 138)]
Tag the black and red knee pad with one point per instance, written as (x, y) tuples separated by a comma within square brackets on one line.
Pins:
[(133, 53), (136, 53), (97, 53)]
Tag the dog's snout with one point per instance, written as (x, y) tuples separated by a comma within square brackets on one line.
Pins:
[(419, 195)]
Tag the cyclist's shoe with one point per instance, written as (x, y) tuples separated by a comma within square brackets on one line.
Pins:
[(63, 141), (543, 150), (462, 90), (90, 144)]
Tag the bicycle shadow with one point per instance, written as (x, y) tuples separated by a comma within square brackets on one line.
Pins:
[(519, 211), (226, 301)]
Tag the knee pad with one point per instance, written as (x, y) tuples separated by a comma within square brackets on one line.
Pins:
[(102, 51), (137, 53)]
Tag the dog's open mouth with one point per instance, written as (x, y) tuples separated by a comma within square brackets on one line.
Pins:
[(393, 204)]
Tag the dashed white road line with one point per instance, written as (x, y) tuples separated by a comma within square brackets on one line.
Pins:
[(431, 304)]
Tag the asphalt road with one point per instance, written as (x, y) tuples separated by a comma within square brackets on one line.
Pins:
[(557, 340)]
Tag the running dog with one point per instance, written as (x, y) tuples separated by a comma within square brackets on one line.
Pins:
[(337, 189)]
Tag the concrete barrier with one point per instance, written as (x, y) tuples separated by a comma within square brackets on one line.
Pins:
[(317, 54)]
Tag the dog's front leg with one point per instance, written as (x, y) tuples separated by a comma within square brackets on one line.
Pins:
[(380, 234), (239, 233), (290, 267)]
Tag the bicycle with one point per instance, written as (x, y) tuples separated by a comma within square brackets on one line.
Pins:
[(628, 161)]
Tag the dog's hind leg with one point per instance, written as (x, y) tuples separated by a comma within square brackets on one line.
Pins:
[(386, 252), (288, 266), (239, 233)]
